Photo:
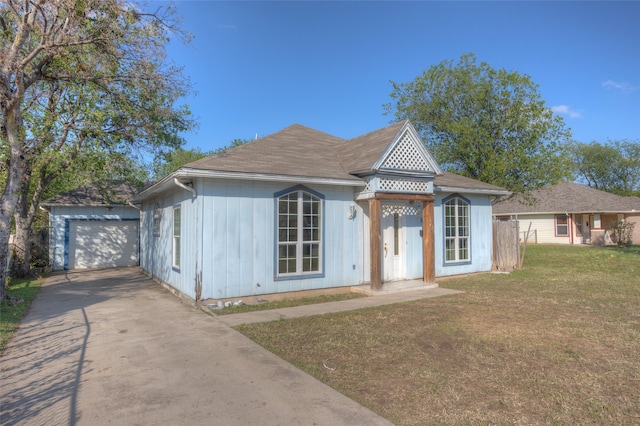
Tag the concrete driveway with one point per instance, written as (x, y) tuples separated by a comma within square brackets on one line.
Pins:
[(112, 347)]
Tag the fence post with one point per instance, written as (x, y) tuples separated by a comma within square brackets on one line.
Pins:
[(506, 245)]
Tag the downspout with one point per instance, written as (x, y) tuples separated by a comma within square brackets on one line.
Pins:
[(130, 204), (183, 186), (197, 290)]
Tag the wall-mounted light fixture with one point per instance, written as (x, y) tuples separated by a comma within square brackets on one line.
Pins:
[(352, 211)]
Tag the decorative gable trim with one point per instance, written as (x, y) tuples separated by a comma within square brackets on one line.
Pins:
[(407, 152)]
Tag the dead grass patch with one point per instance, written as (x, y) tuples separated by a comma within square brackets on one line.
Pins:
[(555, 343)]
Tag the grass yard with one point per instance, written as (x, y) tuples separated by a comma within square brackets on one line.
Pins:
[(10, 316), (557, 342)]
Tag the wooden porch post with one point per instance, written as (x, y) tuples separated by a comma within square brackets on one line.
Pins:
[(375, 243), (428, 241)]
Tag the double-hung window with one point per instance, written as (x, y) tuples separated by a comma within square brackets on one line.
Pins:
[(456, 227), (176, 237), (299, 234), (157, 220), (562, 225)]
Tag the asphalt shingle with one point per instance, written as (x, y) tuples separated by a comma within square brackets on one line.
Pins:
[(567, 197)]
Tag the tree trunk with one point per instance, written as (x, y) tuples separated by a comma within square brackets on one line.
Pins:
[(26, 211), (21, 265), (4, 257), (16, 169)]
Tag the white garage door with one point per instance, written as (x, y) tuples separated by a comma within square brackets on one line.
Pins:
[(103, 244)]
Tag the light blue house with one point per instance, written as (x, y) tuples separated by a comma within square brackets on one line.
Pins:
[(302, 210)]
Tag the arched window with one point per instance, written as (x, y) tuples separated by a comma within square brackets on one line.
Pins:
[(456, 230), (299, 235)]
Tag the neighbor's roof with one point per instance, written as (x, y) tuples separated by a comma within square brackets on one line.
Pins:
[(112, 193), (567, 197)]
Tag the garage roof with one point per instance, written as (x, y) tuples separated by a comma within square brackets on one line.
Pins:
[(97, 194)]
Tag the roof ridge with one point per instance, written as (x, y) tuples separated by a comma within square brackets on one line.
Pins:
[(379, 130)]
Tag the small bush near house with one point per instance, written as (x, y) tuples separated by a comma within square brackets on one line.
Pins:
[(21, 294), (621, 232)]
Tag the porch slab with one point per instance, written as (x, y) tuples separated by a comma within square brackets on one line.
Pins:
[(394, 287)]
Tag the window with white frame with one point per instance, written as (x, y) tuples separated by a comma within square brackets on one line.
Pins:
[(456, 227), (157, 220), (176, 237), (562, 225), (299, 245)]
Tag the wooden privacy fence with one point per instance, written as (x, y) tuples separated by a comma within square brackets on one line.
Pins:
[(506, 245)]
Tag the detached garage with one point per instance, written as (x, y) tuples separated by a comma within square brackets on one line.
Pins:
[(94, 227)]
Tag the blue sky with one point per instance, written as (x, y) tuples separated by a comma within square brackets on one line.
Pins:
[(258, 67)]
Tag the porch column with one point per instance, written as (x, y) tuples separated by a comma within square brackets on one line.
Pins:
[(428, 243), (375, 242)]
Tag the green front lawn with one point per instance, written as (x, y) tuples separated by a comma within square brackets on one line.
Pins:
[(557, 342), (10, 315)]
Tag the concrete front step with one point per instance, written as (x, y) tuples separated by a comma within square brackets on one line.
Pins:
[(394, 287)]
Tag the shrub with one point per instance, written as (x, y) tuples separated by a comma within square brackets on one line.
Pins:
[(621, 232)]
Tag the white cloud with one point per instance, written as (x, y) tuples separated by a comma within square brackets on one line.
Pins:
[(566, 110), (619, 85)]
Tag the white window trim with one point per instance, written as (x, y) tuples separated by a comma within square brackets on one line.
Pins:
[(457, 238), (176, 252), (299, 272)]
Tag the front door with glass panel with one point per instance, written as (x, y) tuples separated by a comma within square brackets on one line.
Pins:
[(393, 246)]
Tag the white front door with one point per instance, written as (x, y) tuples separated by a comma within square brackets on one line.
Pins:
[(393, 246)]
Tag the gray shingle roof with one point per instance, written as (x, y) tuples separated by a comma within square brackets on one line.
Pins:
[(112, 193), (567, 197), (286, 152), (452, 181), (360, 153), (301, 152)]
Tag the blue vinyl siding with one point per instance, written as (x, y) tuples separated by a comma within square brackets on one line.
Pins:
[(228, 234), (413, 252), (480, 237), (236, 236)]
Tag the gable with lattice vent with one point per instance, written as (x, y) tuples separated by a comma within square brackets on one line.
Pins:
[(405, 156), (407, 152)]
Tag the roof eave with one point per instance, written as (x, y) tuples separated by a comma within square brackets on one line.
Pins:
[(481, 191), (393, 172), (188, 173), (50, 205), (570, 212)]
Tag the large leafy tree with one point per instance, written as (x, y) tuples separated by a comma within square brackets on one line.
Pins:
[(612, 167), (485, 123), (79, 77), (170, 161)]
